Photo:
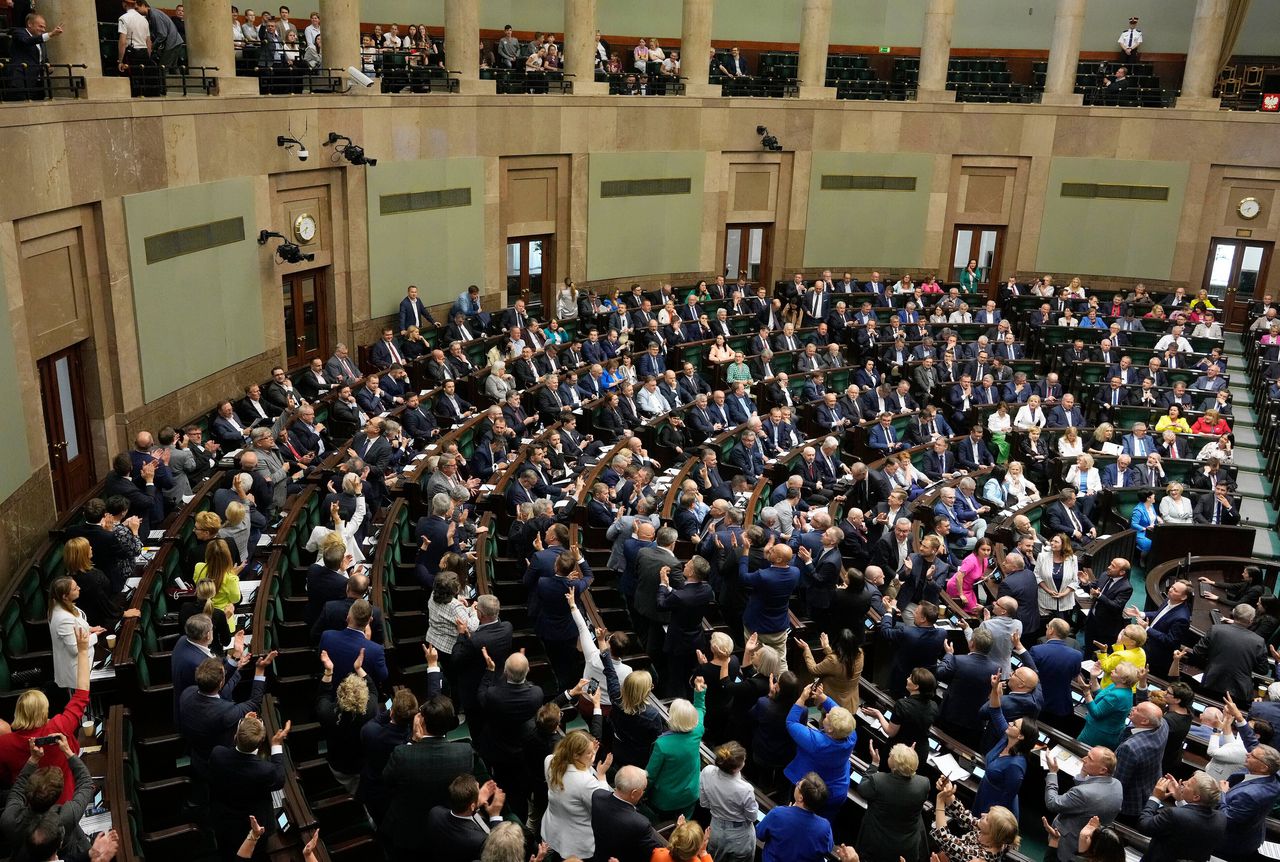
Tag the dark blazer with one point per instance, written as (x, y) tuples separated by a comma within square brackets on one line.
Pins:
[(1057, 521), (417, 777), (207, 722), (688, 607), (343, 648), (454, 839), (1230, 655), (506, 707), (1181, 832), (1166, 636), (240, 786), (1203, 512), (621, 832), (893, 825), (183, 661), (324, 585), (1107, 617), (333, 617), (968, 679), (1058, 664), (913, 647), (468, 660)]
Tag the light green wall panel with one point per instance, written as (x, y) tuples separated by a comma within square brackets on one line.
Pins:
[(1106, 236), (201, 312), (15, 466), (881, 228), (440, 250), (643, 235)]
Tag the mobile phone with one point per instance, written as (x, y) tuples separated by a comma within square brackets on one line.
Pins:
[(867, 623), (593, 687), (46, 740), (282, 820), (978, 772)]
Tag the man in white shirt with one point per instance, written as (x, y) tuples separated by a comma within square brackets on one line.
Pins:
[(1130, 41), (134, 46), (313, 30), (1176, 340)]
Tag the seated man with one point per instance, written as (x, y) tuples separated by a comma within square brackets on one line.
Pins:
[(972, 453)]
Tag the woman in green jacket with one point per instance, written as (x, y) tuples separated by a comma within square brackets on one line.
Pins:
[(969, 278), (1108, 705), (675, 763)]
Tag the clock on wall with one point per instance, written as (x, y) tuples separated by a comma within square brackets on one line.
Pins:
[(1249, 208), (305, 228)]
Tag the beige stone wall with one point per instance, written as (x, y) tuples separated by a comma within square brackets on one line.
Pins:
[(68, 166)]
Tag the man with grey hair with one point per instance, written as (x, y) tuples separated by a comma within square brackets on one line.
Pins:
[(621, 832), (1095, 793), (272, 468), (1182, 819), (1247, 801), (436, 537), (624, 528), (193, 648), (1229, 654), (649, 563), (1003, 627)]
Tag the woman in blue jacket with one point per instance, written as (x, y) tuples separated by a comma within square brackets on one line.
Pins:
[(824, 751), (1006, 762), (1144, 517)]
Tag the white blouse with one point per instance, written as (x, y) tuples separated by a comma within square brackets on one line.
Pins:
[(566, 825), (62, 632), (1069, 450), (1027, 417), (998, 424)]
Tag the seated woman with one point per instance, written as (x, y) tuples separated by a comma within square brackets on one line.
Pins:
[(826, 751), (738, 370), (1006, 762), (1018, 490), (1210, 423), (1102, 435), (202, 603), (499, 384), (555, 333), (1069, 444), (987, 837), (1144, 517), (1108, 705), (1175, 508), (720, 351), (414, 345), (1173, 421)]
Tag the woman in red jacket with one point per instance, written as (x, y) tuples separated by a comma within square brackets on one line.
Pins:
[(31, 721), (1211, 423)]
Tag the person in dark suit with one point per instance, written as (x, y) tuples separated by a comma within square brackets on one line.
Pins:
[(326, 581), (1216, 508), (687, 523), (1191, 830), (1019, 582), (507, 703), (457, 835), (492, 635), (748, 457), (28, 53), (972, 453), (1065, 517), (206, 720), (333, 616), (621, 832), (241, 784), (1247, 803), (345, 646), (413, 312), (687, 606), (918, 645), (1058, 664), (190, 651), (147, 505), (417, 777), (450, 407), (1111, 595), (1166, 626), (1230, 654), (965, 675)]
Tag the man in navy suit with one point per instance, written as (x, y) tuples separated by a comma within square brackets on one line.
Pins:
[(207, 720), (1138, 443), (450, 407), (599, 512), (882, 436), (1110, 597), (334, 615), (1066, 414), (413, 312), (688, 524), (767, 613), (918, 645), (972, 453), (1058, 664), (1019, 582), (961, 713), (325, 581), (748, 457), (1166, 626), (385, 353), (345, 646), (651, 363), (739, 404), (1111, 396), (1120, 474), (1065, 516), (1247, 801), (241, 782), (193, 648), (1049, 389)]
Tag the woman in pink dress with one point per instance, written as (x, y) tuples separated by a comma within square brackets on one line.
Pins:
[(963, 585)]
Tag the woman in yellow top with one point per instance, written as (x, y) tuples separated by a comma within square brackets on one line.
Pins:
[(1128, 648), (1202, 301), (841, 670), (225, 575), (1173, 421)]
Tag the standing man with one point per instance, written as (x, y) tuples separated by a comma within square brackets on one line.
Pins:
[(133, 50), (29, 56), (1130, 42), (412, 310), (166, 42), (1096, 793)]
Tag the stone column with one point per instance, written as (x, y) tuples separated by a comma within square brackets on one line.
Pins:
[(78, 43), (935, 50), (1202, 56), (1064, 55), (209, 43), (462, 45), (340, 36), (580, 47), (695, 47), (815, 40)]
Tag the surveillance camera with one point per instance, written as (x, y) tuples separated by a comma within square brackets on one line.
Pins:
[(761, 130), (303, 154), (359, 78), (290, 253)]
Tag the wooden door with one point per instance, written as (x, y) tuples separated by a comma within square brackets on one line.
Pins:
[(1235, 275), (746, 251), (982, 244), (66, 425), (306, 319), (531, 268)]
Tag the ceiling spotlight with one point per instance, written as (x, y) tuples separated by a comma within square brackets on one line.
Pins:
[(288, 252), (768, 141), (352, 153), (289, 143)]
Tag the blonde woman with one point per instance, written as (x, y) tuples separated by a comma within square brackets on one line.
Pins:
[(225, 574), (97, 599), (235, 528), (202, 603), (688, 844), (636, 722), (1128, 648), (1084, 477), (675, 762), (988, 837), (1018, 490), (414, 346), (1175, 508), (1030, 415), (1069, 444), (1108, 705), (343, 712), (66, 621), (1058, 575), (824, 751), (571, 780), (893, 826), (1103, 434)]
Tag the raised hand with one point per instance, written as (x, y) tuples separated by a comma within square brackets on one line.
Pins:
[(488, 660), (326, 661), (359, 662), (699, 684), (282, 734)]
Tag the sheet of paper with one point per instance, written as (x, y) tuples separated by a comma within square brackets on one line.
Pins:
[(132, 583), (91, 823), (947, 765), (1067, 761), (264, 540), (155, 535)]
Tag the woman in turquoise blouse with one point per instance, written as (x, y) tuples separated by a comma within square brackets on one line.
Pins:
[(675, 765), (1108, 706)]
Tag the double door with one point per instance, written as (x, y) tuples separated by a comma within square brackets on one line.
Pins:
[(980, 244), (530, 265), (1235, 276), (746, 251)]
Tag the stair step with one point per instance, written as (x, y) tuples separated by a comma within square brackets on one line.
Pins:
[(1266, 544)]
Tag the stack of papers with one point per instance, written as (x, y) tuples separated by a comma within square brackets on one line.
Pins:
[(248, 589), (1067, 762), (99, 822)]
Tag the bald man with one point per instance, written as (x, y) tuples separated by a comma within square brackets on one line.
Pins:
[(768, 609), (509, 703), (1139, 758), (1004, 627)]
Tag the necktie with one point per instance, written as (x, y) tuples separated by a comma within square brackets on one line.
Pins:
[(1173, 450), (1115, 397), (448, 372), (1217, 512), (1075, 522)]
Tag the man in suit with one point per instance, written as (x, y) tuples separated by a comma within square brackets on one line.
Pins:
[(1138, 443), (340, 370), (1183, 820), (653, 619), (228, 429), (206, 719), (767, 613), (621, 832), (313, 383), (507, 704), (748, 457), (1216, 508), (333, 616), (1139, 758), (687, 606), (450, 407), (384, 352), (1057, 662), (1230, 654), (1065, 516), (456, 829), (344, 647), (326, 581), (241, 783), (1095, 793), (492, 635), (972, 453), (30, 54), (191, 650), (968, 679), (883, 438), (1165, 626), (146, 505), (1247, 803), (917, 645), (413, 312), (1066, 414), (1120, 474), (1019, 583), (418, 775), (1111, 595)]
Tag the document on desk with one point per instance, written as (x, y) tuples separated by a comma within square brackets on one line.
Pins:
[(947, 765), (100, 822)]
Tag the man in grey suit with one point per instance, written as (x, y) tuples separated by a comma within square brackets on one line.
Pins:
[(340, 370), (1096, 792), (624, 528), (1230, 654)]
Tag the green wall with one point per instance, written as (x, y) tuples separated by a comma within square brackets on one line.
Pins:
[(15, 466), (643, 235), (197, 313), (441, 250), (884, 228), (1113, 237), (978, 23)]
